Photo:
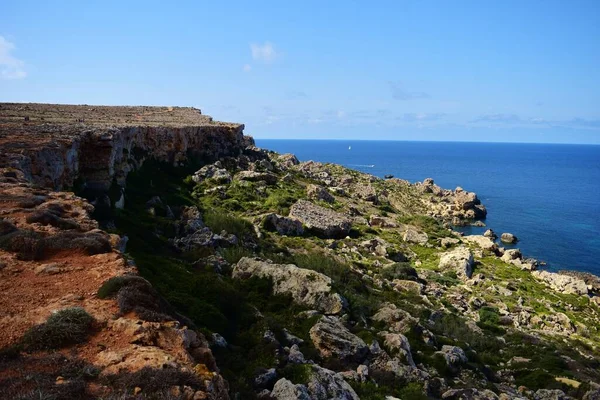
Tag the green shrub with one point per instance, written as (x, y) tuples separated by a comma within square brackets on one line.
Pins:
[(64, 327), (399, 271), (155, 383), (221, 221), (234, 254), (297, 373), (112, 286)]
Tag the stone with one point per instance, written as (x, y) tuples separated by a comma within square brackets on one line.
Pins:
[(412, 235), (219, 175), (460, 260), (366, 193), (254, 176), (399, 345), (319, 193), (266, 378), (383, 222), (490, 234), (395, 319), (408, 286), (508, 238), (562, 283), (283, 225), (483, 242), (320, 220), (332, 339), (286, 390), (286, 161), (551, 394), (49, 269), (448, 242), (308, 288), (454, 356)]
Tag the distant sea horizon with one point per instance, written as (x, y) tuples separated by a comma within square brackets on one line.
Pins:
[(547, 194)]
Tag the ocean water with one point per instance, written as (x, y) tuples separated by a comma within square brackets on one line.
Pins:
[(546, 194)]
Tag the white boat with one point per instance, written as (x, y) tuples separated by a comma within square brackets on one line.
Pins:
[(349, 147)]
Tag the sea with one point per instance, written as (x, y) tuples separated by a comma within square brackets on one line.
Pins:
[(548, 195)]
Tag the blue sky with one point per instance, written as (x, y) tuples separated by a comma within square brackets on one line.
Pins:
[(526, 71)]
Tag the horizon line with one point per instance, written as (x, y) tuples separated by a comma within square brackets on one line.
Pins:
[(423, 141)]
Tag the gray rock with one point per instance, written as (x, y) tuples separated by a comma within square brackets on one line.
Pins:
[(384, 222), (490, 234), (306, 287), (254, 176), (483, 242), (459, 260), (325, 384), (295, 356), (212, 171), (454, 356), (332, 339), (286, 390), (508, 238), (399, 346), (266, 378), (412, 235), (562, 283), (548, 394), (316, 192), (322, 221), (283, 225)]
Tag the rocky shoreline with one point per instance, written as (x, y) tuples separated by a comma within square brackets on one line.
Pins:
[(202, 267)]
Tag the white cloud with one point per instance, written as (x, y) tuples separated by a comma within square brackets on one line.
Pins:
[(10, 67), (265, 53), (247, 67)]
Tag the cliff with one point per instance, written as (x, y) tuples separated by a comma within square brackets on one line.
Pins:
[(227, 270)]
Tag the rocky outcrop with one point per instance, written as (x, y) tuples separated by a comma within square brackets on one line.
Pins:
[(319, 193), (562, 283), (306, 287), (320, 220), (323, 384), (459, 260), (485, 243), (332, 339), (283, 225), (457, 206), (61, 144)]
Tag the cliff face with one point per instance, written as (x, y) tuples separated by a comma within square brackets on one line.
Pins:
[(55, 262), (55, 145)]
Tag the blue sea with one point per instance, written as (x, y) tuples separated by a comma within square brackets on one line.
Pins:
[(546, 194)]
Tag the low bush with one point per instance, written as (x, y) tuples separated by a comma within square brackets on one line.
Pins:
[(234, 254), (155, 383), (221, 221), (47, 217), (6, 227), (30, 245), (112, 286), (64, 327)]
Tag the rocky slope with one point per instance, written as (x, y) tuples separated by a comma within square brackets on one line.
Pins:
[(232, 271)]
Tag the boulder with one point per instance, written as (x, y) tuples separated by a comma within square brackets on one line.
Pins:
[(286, 161), (413, 287), (254, 176), (412, 235), (212, 171), (283, 225), (562, 283), (490, 234), (383, 222), (332, 339), (325, 384), (316, 192), (454, 356), (366, 193), (508, 238), (306, 287), (398, 345), (481, 241), (286, 390), (395, 319), (320, 220), (460, 260)]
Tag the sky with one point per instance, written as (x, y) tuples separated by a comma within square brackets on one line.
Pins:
[(506, 71)]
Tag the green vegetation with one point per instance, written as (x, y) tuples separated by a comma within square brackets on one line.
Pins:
[(64, 327)]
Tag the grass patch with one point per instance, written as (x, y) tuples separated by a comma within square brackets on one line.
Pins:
[(64, 327)]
